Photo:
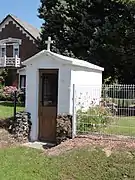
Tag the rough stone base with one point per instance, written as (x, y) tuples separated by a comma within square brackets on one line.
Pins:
[(63, 128), (20, 127)]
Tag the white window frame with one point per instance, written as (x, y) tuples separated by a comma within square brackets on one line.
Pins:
[(2, 46), (15, 46)]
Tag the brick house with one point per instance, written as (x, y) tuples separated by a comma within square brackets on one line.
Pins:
[(18, 42)]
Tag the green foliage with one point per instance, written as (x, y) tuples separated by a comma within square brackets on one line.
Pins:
[(7, 94), (3, 75), (1, 86), (93, 119), (101, 32)]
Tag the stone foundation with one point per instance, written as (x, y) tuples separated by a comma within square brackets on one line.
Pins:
[(21, 127), (63, 128)]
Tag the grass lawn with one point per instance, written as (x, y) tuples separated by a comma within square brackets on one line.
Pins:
[(30, 164), (121, 126), (7, 109)]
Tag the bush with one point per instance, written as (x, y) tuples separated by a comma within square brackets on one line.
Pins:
[(1, 81), (93, 119), (21, 95), (7, 94)]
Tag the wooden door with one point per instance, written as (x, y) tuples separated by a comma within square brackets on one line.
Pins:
[(48, 93)]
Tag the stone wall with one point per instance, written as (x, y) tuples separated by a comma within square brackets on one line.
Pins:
[(20, 127), (63, 128)]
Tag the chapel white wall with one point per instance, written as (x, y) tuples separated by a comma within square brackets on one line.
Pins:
[(32, 99), (32, 89), (88, 84), (22, 71)]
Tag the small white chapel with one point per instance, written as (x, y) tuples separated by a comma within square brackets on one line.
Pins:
[(51, 83)]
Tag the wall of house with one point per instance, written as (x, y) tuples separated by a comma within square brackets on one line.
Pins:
[(12, 77), (26, 50), (32, 88), (88, 84)]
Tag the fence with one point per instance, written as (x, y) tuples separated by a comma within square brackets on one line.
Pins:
[(104, 110)]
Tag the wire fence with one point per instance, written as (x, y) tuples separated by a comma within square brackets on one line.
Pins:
[(106, 110)]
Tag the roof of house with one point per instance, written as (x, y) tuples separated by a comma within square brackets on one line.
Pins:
[(28, 28), (66, 59)]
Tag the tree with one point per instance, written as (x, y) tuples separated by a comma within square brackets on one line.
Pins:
[(98, 31)]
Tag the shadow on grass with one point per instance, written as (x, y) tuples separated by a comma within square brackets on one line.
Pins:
[(11, 104)]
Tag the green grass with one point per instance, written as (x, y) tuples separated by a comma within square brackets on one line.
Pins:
[(121, 126), (7, 109), (84, 164)]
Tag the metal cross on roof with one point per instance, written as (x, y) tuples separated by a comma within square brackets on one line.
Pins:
[(49, 42)]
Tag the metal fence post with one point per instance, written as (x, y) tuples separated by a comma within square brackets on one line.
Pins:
[(15, 101), (74, 114)]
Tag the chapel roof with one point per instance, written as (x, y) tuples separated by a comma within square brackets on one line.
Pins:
[(65, 59)]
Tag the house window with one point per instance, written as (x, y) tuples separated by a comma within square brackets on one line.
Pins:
[(3, 51), (16, 50)]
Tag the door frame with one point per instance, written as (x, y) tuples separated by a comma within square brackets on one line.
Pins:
[(50, 70)]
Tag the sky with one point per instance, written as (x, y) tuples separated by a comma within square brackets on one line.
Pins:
[(24, 9)]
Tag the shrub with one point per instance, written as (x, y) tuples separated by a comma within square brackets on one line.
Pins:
[(1, 81), (21, 95), (7, 94), (93, 119)]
